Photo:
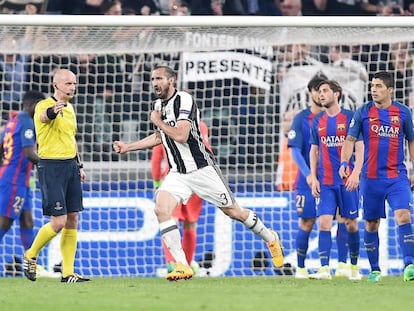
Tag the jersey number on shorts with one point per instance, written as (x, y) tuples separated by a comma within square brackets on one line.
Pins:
[(18, 204), (300, 203), (224, 199)]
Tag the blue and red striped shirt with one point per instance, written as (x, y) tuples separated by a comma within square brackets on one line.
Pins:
[(17, 134), (383, 132), (329, 134)]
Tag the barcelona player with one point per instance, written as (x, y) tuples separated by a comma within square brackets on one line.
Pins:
[(328, 133), (18, 155), (298, 141), (384, 124)]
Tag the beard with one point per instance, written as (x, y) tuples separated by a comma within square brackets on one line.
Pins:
[(328, 105), (161, 93), (318, 104)]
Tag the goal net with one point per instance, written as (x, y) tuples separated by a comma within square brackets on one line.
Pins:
[(248, 76)]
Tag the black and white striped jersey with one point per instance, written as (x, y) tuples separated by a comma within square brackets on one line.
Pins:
[(192, 155)]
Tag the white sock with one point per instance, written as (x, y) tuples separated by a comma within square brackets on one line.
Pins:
[(256, 225), (172, 239)]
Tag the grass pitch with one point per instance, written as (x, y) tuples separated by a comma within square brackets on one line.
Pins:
[(215, 294)]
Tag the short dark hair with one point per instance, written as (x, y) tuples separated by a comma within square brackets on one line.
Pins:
[(386, 77), (32, 97), (315, 81), (169, 72), (106, 5), (334, 86)]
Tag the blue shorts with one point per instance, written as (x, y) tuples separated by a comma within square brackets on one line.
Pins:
[(14, 199), (337, 197), (305, 203), (374, 193), (61, 187)]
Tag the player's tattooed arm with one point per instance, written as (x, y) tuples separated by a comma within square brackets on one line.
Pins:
[(351, 138)]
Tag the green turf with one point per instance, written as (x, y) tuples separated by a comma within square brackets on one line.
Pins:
[(216, 294)]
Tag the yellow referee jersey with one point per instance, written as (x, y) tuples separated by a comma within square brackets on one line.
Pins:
[(56, 138)]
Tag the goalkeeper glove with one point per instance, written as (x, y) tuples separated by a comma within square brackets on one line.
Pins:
[(157, 184), (32, 182)]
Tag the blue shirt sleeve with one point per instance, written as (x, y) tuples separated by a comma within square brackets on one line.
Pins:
[(295, 136), (408, 126), (356, 125), (314, 139), (27, 133), (300, 161)]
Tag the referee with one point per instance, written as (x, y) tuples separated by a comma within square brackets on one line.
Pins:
[(60, 176)]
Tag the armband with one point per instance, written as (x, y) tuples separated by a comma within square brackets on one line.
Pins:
[(344, 164), (50, 113)]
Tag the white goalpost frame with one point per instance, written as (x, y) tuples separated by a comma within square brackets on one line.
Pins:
[(387, 26), (207, 21), (202, 34)]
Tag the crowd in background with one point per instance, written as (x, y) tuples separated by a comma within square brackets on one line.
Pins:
[(113, 89), (211, 7)]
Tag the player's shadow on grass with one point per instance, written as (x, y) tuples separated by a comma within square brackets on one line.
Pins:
[(261, 262)]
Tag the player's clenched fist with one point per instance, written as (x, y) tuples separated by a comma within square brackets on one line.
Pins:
[(119, 147), (156, 117)]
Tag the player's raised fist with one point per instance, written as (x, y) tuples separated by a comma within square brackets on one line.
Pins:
[(119, 146)]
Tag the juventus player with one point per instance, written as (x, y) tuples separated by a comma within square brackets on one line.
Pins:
[(193, 169)]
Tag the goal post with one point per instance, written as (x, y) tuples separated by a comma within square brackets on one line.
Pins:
[(248, 76), (99, 34)]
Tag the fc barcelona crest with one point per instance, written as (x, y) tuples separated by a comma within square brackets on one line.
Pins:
[(341, 127)]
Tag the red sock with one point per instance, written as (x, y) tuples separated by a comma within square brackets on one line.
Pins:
[(189, 244), (168, 256)]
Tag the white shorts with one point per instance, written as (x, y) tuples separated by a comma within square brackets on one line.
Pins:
[(208, 183)]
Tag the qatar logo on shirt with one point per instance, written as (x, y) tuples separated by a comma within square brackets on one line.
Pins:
[(333, 141), (385, 130)]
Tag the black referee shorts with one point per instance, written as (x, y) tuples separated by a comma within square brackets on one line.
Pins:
[(61, 187)]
